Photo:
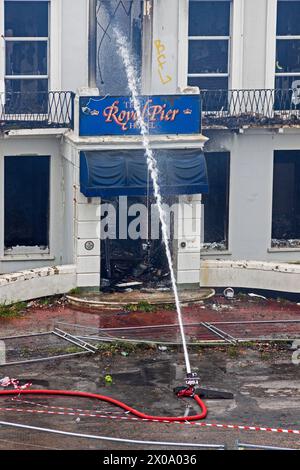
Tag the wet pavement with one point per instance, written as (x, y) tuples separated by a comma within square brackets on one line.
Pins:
[(263, 379), (231, 316), (266, 393)]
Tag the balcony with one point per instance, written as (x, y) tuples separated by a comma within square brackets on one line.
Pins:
[(221, 109), (36, 110), (233, 109)]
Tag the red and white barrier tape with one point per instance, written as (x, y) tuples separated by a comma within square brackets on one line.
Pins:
[(86, 413), (63, 408)]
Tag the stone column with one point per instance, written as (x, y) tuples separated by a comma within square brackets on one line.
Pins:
[(87, 222), (87, 233), (188, 241)]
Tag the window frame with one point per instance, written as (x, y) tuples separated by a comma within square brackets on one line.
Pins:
[(54, 49), (29, 39), (213, 38), (273, 247), (284, 38), (36, 149), (206, 251), (28, 76), (33, 252)]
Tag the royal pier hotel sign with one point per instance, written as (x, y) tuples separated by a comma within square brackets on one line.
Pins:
[(111, 115)]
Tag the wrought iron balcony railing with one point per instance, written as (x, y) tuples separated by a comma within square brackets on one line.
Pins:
[(236, 108), (36, 110), (220, 108)]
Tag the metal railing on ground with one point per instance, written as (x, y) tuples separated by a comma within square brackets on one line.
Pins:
[(243, 446)]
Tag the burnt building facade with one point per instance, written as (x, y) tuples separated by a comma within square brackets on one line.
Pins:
[(241, 57)]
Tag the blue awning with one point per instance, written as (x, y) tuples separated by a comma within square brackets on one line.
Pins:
[(124, 173)]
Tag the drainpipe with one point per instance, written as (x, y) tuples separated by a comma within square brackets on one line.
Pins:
[(92, 43), (147, 46)]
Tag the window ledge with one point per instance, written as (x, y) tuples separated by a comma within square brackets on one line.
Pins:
[(284, 250), (27, 257), (35, 132), (216, 253)]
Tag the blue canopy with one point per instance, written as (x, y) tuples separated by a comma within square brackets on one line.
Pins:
[(125, 173)]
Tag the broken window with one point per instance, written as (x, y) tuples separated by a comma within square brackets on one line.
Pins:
[(286, 200), (209, 39), (26, 202), (287, 67), (216, 203), (127, 17), (26, 52), (126, 259)]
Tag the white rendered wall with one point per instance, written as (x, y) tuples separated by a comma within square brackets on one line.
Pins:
[(85, 221), (251, 191), (165, 46), (74, 41), (189, 240), (34, 283), (281, 277), (259, 43), (34, 145)]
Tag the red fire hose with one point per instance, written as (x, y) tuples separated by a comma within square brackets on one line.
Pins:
[(185, 393)]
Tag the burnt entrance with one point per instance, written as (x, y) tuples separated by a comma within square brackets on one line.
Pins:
[(131, 240), (132, 250)]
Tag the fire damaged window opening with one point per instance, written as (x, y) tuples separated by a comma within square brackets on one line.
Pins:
[(286, 200), (26, 204), (209, 45), (124, 259), (216, 203)]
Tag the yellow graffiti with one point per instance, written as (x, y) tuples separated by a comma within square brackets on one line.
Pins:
[(161, 62)]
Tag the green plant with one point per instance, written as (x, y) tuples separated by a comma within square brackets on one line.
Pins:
[(141, 307), (233, 351), (168, 307), (71, 350), (248, 344), (117, 347), (75, 291), (12, 310), (147, 307), (45, 301)]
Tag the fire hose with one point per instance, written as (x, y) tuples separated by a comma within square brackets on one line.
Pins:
[(187, 392)]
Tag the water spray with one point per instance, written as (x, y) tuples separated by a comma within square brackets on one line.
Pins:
[(192, 378)]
